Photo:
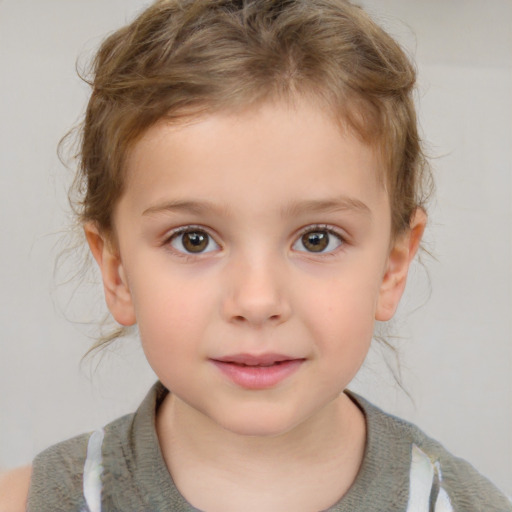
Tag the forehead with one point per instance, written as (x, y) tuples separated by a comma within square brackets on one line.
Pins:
[(260, 156)]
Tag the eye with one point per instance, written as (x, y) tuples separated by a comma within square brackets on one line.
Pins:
[(193, 241), (318, 240)]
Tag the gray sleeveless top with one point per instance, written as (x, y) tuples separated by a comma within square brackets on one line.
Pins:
[(121, 468)]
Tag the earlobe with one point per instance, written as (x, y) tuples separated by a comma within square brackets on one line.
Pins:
[(115, 285), (400, 257)]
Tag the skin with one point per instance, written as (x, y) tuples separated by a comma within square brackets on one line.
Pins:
[(14, 487), (252, 184)]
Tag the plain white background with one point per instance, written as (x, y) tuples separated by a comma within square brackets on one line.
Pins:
[(455, 342)]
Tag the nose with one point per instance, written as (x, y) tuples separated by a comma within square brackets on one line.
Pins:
[(255, 294)]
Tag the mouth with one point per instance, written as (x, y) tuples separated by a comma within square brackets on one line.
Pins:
[(256, 360), (258, 371)]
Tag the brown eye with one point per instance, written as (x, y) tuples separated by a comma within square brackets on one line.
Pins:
[(315, 241), (193, 241), (319, 241)]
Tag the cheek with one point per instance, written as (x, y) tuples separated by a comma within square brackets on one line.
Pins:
[(171, 311), (341, 314), (170, 330), (346, 298)]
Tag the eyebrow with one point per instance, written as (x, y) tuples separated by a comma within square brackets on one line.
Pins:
[(329, 205), (187, 206), (332, 205)]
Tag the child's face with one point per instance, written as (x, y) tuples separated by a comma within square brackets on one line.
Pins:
[(260, 238)]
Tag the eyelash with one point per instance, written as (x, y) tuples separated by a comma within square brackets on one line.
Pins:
[(200, 229), (322, 228), (181, 231)]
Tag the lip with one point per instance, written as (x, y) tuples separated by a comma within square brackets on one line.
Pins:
[(255, 359), (262, 371)]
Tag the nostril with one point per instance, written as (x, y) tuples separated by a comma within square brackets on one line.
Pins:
[(242, 318)]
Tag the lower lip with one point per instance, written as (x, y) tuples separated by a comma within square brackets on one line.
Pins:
[(258, 377)]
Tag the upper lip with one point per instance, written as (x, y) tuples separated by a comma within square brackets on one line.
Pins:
[(256, 360)]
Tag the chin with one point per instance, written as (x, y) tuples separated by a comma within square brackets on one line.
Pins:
[(258, 425)]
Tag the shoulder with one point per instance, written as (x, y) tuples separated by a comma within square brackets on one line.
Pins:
[(14, 487), (57, 480), (467, 489)]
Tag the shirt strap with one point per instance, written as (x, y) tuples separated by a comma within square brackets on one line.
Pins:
[(426, 493), (93, 469)]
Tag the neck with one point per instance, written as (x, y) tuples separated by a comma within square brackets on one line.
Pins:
[(201, 456)]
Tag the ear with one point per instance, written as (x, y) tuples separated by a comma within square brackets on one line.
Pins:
[(401, 254), (115, 285)]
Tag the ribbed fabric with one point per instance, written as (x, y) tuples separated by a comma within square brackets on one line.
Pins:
[(135, 477)]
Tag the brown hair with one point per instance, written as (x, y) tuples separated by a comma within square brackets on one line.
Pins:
[(188, 57), (183, 58)]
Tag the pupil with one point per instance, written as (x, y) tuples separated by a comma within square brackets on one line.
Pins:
[(316, 242), (195, 241)]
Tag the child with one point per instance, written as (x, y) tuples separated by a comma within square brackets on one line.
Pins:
[(254, 197)]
